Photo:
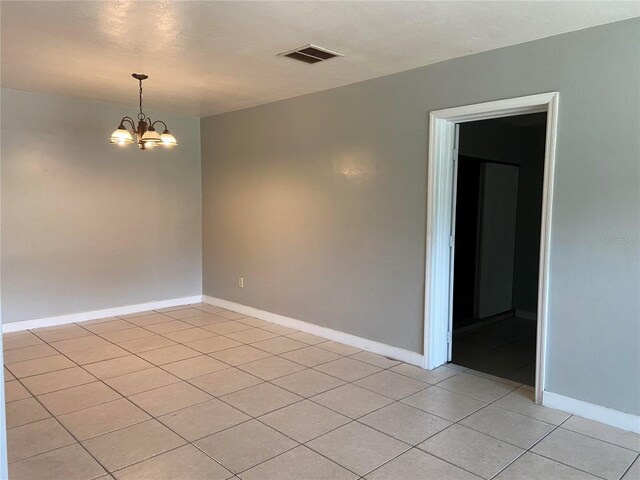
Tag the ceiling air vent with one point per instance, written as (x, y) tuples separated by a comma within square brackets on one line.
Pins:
[(310, 54)]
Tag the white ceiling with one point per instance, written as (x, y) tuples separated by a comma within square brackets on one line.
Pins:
[(210, 57)]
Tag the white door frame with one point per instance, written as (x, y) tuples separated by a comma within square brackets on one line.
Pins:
[(4, 465), (438, 273)]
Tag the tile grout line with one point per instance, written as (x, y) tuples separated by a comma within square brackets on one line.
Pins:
[(66, 429), (356, 420), (560, 426), (451, 424), (187, 441), (637, 459), (599, 439), (152, 417), (557, 427), (348, 382), (251, 417), (498, 439), (305, 367), (351, 382), (303, 398), (352, 421)]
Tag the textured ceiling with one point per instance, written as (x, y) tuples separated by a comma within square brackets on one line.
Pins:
[(205, 58)]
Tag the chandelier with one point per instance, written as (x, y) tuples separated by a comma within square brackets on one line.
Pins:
[(145, 132)]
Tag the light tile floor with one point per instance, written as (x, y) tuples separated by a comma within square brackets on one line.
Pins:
[(198, 392)]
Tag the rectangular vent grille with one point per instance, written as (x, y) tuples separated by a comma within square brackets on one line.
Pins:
[(310, 54)]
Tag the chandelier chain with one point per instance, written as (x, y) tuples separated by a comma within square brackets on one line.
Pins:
[(140, 115)]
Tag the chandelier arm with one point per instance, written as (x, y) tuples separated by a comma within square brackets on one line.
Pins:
[(160, 121), (130, 120)]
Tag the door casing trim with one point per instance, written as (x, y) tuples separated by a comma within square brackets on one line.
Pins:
[(438, 273)]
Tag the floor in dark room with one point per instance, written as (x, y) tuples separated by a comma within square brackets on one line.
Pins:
[(505, 348)]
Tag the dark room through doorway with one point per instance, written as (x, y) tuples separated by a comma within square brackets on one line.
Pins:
[(498, 211)]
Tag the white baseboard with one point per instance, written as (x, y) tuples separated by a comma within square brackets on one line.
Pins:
[(608, 416), (597, 413), (526, 314), (96, 314), (397, 353)]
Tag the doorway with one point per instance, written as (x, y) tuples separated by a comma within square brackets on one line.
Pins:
[(497, 213), (441, 195)]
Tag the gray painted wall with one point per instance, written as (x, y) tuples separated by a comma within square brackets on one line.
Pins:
[(87, 225), (319, 202)]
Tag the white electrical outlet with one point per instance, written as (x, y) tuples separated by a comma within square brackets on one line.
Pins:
[(241, 282)]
